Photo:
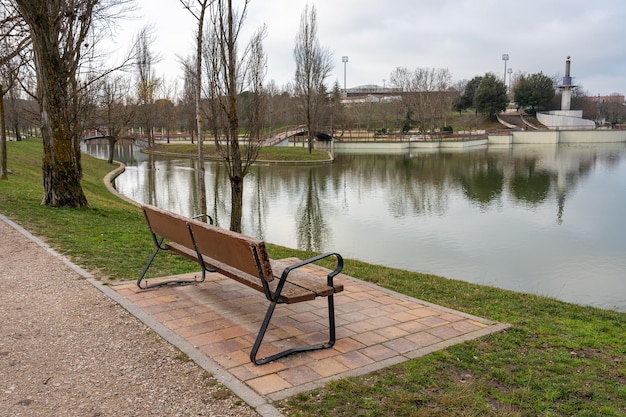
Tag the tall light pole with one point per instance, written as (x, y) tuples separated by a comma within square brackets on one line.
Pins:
[(510, 71), (505, 57), (344, 59)]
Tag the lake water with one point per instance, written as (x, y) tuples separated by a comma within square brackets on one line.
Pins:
[(542, 219)]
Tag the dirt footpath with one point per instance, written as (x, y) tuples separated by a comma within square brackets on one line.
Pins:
[(66, 349)]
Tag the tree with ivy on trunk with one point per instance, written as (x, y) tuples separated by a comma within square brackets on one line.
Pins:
[(61, 33)]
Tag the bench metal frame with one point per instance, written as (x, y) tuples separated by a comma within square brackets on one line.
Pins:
[(275, 299), (161, 246)]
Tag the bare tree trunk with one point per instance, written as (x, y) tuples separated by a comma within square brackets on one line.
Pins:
[(112, 141), (198, 12), (198, 91), (3, 140), (236, 175), (61, 165)]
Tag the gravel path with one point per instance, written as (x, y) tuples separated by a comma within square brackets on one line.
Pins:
[(66, 349)]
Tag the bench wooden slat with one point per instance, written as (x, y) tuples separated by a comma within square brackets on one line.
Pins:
[(185, 251), (231, 248), (171, 226), (290, 294)]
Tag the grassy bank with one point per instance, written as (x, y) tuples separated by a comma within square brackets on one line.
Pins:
[(557, 360)]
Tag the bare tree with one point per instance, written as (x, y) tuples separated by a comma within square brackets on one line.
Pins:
[(61, 35), (13, 42), (147, 82), (187, 101), (313, 65), (211, 61), (114, 113), (198, 10), (166, 110), (233, 74), (426, 93)]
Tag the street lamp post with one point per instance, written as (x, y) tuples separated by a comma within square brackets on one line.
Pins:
[(344, 59), (505, 57)]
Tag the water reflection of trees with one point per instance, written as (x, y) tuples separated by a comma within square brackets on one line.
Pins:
[(481, 177), (423, 183), (311, 228), (414, 184), (530, 185)]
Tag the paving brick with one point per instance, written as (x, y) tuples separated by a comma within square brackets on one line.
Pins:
[(433, 321), (330, 366), (347, 344), (268, 384), (467, 326), (423, 339), (299, 375), (354, 360), (445, 332), (401, 345), (233, 359), (391, 332), (224, 347), (378, 352), (369, 338)]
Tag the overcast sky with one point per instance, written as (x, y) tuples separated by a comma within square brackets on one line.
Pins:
[(468, 37)]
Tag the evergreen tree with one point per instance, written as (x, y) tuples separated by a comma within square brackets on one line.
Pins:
[(466, 100), (534, 92), (490, 97)]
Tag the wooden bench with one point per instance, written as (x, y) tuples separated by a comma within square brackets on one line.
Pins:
[(245, 260)]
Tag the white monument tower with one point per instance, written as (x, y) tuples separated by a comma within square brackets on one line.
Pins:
[(566, 118), (566, 87)]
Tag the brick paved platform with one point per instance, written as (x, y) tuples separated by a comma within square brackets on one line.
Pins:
[(376, 328)]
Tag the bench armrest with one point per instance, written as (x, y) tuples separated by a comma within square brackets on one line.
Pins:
[(329, 277), (197, 216)]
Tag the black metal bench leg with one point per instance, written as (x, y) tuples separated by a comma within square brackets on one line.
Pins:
[(331, 322), (170, 282), (145, 268), (265, 325)]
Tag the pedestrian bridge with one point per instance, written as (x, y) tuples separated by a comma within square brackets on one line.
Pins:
[(289, 132)]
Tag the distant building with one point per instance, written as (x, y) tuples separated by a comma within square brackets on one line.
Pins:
[(371, 94), (372, 89), (613, 98)]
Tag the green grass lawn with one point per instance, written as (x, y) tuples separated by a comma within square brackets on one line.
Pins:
[(558, 359)]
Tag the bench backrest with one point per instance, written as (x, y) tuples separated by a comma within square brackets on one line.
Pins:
[(171, 226), (232, 249)]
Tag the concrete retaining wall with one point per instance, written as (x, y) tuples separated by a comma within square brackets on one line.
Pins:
[(515, 137), (565, 119), (559, 136)]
